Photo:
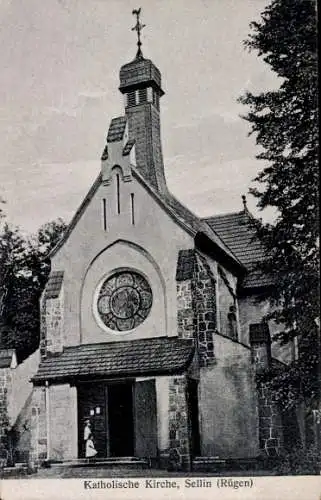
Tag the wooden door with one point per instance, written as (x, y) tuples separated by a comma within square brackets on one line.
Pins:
[(92, 406), (120, 420), (145, 419)]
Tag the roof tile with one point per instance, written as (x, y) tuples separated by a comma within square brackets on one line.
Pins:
[(236, 231), (125, 358), (116, 129), (128, 147)]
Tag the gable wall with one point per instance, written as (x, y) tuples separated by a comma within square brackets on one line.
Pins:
[(150, 246)]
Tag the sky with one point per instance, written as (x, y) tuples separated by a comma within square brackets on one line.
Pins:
[(59, 78)]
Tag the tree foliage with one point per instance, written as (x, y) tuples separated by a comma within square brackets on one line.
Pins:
[(284, 121), (24, 270)]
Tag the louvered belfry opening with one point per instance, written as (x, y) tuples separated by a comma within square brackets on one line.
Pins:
[(140, 82)]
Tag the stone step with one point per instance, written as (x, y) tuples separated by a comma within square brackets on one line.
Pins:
[(13, 472), (127, 462), (204, 464), (216, 464)]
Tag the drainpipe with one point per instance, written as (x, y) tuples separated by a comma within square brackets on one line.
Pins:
[(47, 419)]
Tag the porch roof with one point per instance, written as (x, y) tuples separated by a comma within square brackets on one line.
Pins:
[(157, 356)]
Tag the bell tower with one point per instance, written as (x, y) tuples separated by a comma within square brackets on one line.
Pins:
[(140, 83)]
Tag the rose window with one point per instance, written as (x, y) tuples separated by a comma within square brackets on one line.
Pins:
[(124, 301)]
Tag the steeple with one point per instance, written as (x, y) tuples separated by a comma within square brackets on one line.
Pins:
[(140, 82)]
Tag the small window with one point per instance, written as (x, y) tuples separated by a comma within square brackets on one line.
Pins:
[(104, 214), (118, 193), (132, 206)]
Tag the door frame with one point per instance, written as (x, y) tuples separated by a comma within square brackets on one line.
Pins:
[(193, 411), (105, 383), (115, 382), (135, 384)]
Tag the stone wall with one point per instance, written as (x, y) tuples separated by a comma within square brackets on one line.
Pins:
[(196, 303), (5, 382), (185, 309), (226, 300), (52, 324), (205, 310), (52, 315), (43, 328), (270, 422)]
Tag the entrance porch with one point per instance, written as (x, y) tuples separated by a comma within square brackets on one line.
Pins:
[(137, 396)]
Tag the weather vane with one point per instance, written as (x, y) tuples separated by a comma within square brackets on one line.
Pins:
[(138, 27)]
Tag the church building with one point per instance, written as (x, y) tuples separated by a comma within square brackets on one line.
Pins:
[(151, 332)]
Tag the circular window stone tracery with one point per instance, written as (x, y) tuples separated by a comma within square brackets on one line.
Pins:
[(124, 301)]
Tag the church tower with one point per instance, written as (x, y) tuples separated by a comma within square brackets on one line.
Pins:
[(140, 83)]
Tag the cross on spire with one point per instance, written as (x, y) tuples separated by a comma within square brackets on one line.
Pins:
[(138, 27)]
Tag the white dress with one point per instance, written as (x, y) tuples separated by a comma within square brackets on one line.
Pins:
[(87, 432), (90, 448)]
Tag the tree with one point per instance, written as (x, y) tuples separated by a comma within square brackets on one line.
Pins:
[(285, 124), (24, 270)]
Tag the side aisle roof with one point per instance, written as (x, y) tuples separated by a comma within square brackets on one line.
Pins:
[(238, 233)]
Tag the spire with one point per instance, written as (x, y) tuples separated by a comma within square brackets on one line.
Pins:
[(138, 27), (140, 83)]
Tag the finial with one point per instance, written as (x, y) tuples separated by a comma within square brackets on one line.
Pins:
[(138, 27), (244, 201)]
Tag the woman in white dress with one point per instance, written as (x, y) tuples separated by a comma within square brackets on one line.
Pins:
[(90, 450)]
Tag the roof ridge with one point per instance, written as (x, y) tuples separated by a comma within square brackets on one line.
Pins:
[(117, 342), (168, 200), (171, 202), (228, 214)]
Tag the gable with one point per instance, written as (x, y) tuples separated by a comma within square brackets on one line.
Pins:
[(119, 153)]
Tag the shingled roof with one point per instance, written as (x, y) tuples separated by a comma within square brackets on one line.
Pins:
[(116, 129), (239, 235), (161, 355), (199, 225)]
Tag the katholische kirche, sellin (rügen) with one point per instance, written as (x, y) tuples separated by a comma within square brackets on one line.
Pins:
[(151, 332)]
